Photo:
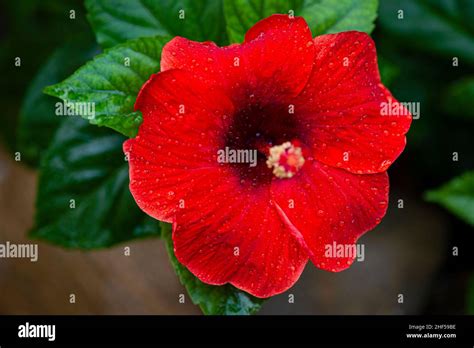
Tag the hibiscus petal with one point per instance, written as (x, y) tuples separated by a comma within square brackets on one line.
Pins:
[(274, 61), (323, 205), (175, 177), (229, 233), (341, 106), (183, 127)]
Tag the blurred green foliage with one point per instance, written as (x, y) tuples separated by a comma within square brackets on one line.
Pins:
[(459, 99), (432, 42), (439, 27), (32, 30), (423, 41), (457, 196), (37, 123)]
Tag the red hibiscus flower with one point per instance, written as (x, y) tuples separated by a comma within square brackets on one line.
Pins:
[(308, 109)]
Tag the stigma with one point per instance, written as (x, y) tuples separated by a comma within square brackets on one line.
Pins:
[(285, 159)]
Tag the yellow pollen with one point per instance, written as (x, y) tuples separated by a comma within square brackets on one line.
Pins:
[(285, 159)]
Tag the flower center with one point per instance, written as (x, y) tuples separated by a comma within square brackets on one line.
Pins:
[(285, 159)]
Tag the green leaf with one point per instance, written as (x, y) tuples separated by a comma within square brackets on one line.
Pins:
[(115, 21), (38, 122), (241, 15), (437, 26), (213, 300), (110, 84), (323, 16), (459, 99), (83, 198), (334, 16), (457, 196)]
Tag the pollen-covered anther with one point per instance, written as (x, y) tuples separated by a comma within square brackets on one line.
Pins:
[(285, 159)]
